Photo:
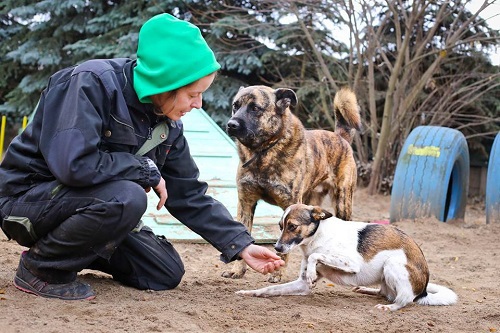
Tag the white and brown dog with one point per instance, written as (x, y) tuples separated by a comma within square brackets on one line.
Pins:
[(355, 254)]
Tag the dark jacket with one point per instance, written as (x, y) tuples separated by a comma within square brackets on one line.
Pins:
[(86, 129)]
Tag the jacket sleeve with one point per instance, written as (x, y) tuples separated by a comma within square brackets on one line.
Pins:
[(74, 113), (201, 213)]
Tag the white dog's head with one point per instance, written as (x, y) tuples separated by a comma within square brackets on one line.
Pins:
[(298, 223)]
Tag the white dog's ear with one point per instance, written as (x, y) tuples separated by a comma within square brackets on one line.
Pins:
[(241, 87), (319, 214)]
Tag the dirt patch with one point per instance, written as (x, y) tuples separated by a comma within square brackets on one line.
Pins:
[(464, 256)]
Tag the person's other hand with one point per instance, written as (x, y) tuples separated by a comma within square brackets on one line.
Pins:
[(161, 191), (261, 259)]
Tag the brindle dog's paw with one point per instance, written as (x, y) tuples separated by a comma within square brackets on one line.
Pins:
[(274, 278)]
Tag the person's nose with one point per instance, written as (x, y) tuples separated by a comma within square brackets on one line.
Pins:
[(198, 101)]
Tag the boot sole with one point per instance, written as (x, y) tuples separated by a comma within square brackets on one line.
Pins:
[(24, 286)]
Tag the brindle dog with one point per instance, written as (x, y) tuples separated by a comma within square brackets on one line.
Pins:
[(282, 163)]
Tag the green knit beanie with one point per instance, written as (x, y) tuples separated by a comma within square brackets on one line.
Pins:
[(171, 54)]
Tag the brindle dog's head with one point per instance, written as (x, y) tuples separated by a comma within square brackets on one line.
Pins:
[(298, 223), (257, 114)]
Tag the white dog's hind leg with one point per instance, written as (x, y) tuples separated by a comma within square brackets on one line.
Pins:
[(297, 287), (397, 288)]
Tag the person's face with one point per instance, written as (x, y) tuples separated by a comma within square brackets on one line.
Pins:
[(176, 104)]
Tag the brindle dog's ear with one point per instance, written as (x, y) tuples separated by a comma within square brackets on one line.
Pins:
[(319, 214), (285, 98)]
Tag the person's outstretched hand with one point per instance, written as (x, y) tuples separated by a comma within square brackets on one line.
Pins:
[(261, 259)]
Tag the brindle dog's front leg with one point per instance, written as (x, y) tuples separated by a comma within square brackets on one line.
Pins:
[(277, 275), (284, 199), (245, 214)]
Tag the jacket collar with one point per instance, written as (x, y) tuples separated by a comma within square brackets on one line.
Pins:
[(133, 100), (128, 90)]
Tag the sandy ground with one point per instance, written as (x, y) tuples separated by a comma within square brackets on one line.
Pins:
[(463, 256)]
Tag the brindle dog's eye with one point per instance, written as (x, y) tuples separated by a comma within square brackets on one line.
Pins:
[(292, 227), (256, 108)]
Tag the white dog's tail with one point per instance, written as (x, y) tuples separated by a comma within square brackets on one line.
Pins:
[(438, 295)]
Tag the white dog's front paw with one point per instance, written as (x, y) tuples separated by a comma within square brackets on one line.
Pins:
[(254, 293), (246, 292), (311, 278)]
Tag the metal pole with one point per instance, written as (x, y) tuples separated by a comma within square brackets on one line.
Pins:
[(2, 135)]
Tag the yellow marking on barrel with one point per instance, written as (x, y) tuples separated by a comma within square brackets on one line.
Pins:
[(432, 151)]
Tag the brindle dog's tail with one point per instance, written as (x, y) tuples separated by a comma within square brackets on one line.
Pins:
[(346, 109)]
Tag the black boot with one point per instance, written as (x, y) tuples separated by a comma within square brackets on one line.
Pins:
[(29, 283)]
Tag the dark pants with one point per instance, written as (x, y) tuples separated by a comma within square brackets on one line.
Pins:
[(91, 228)]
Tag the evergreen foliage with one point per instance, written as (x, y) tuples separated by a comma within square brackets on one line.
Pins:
[(257, 42)]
